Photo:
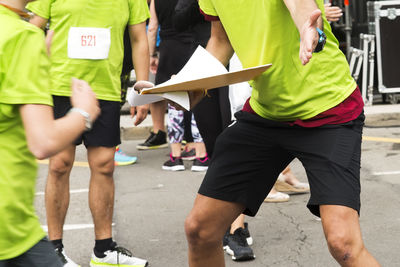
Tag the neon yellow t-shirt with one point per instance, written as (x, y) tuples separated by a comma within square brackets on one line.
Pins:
[(24, 79), (103, 75), (262, 32)]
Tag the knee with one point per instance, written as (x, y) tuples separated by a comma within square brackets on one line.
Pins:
[(59, 167), (343, 247), (103, 167), (199, 235)]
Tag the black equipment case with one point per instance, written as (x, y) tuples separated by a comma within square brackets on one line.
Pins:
[(384, 22)]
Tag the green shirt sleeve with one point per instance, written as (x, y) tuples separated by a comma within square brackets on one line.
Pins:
[(138, 11), (207, 7), (25, 66), (41, 8)]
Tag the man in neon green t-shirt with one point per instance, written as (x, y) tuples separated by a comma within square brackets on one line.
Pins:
[(88, 44), (28, 130), (306, 106)]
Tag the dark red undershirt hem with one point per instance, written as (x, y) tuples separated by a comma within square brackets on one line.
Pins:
[(209, 17), (346, 111)]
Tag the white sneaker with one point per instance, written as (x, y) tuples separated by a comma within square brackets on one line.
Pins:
[(118, 256), (64, 258)]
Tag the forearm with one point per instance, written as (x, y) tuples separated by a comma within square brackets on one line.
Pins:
[(152, 29), (300, 11), (46, 136), (152, 38)]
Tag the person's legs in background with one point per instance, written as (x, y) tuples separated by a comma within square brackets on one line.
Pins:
[(175, 126), (158, 136), (201, 161), (287, 182), (120, 158), (237, 240)]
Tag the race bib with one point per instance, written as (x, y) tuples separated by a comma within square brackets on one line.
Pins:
[(89, 43)]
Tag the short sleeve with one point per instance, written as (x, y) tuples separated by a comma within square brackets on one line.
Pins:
[(25, 70), (40, 7), (208, 8), (138, 11)]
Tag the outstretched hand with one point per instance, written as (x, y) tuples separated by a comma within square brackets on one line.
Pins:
[(309, 37)]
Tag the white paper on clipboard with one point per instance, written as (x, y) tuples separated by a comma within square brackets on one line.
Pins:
[(202, 72)]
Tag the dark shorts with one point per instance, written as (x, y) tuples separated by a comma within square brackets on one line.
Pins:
[(105, 131), (250, 154), (40, 255)]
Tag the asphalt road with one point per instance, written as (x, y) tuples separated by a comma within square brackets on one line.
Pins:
[(151, 205)]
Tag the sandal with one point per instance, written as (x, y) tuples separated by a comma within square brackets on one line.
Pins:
[(283, 186), (277, 197)]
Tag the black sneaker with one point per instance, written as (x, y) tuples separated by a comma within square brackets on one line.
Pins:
[(158, 140), (173, 164), (236, 245), (188, 155), (246, 234), (200, 164)]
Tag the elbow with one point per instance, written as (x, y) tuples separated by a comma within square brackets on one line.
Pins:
[(40, 153), (41, 150), (152, 30)]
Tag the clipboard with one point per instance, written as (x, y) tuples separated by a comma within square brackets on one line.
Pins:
[(209, 82)]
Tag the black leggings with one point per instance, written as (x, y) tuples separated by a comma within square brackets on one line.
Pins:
[(213, 115)]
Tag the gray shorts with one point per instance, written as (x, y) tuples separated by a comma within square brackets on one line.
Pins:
[(40, 255)]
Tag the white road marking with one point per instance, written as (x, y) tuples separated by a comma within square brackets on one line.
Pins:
[(68, 227), (71, 191), (386, 173)]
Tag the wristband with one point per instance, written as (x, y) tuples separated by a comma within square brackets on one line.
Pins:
[(86, 116)]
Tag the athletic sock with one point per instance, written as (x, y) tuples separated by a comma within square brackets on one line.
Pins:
[(57, 243), (102, 246)]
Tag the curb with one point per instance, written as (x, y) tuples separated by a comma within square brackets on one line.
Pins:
[(135, 133), (382, 120), (375, 117)]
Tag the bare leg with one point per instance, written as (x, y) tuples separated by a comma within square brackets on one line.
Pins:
[(176, 149), (200, 150), (289, 176), (157, 111), (343, 234), (238, 223), (205, 227), (57, 191), (101, 190)]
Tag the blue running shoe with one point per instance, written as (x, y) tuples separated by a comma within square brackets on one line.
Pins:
[(121, 159)]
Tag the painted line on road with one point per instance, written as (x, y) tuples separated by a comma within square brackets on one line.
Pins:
[(381, 139), (76, 163), (68, 227), (75, 191), (386, 173)]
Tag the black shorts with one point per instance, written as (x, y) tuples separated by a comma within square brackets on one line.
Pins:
[(250, 154), (41, 254), (105, 131)]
